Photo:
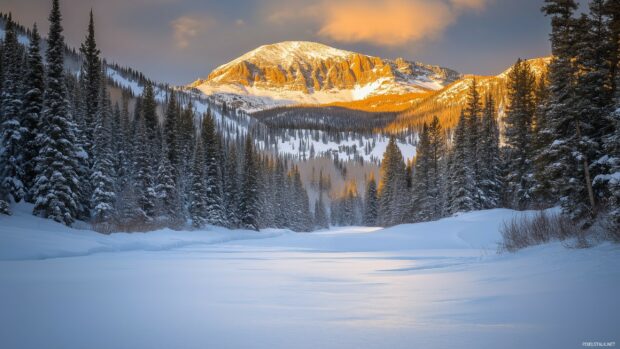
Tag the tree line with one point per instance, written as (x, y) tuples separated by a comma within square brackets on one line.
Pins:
[(75, 155), (560, 143)]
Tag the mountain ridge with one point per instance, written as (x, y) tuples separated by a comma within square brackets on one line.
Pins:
[(448, 102), (302, 72)]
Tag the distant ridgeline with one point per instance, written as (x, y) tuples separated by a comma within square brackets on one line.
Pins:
[(330, 119)]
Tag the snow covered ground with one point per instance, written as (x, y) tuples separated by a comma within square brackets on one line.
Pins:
[(430, 285), (289, 145)]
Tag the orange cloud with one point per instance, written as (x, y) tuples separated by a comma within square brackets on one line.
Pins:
[(380, 22), (391, 22)]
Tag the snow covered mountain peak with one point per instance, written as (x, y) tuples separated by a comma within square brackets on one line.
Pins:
[(287, 53), (302, 72)]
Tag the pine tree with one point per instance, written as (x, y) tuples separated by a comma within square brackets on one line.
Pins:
[(167, 187), (461, 185), (126, 205), (1, 65), (198, 192), (543, 193), (84, 170), (170, 131), (336, 215), (79, 110), (519, 117), (214, 197), (371, 204), (148, 110), (12, 131), (306, 214), (232, 186), (186, 140), (489, 157), (249, 194), (281, 194), (300, 215), (34, 86), (421, 179), (120, 145), (320, 214), (166, 191), (610, 179), (91, 75), (391, 187), (409, 170), (612, 10), (347, 209), (473, 113), (56, 186), (427, 186), (568, 154), (437, 152), (268, 195), (102, 177), (594, 86), (144, 182)]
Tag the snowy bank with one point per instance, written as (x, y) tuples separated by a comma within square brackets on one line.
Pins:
[(24, 236), (470, 231)]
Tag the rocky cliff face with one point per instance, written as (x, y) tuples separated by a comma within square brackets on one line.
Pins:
[(307, 72)]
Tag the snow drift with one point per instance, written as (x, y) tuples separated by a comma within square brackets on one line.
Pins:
[(23, 236)]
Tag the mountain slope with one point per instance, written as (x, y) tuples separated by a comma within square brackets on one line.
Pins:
[(299, 72), (448, 102)]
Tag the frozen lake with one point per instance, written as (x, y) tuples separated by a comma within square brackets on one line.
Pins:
[(433, 285)]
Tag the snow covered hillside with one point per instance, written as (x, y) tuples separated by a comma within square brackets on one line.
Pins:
[(448, 102), (419, 285), (348, 148)]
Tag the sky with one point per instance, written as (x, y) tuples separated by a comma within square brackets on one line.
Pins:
[(178, 41)]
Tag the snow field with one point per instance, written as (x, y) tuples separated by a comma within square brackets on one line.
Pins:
[(432, 285)]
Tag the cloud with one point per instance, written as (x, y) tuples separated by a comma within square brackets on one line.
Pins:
[(186, 28), (285, 12), (469, 4), (391, 22), (379, 22)]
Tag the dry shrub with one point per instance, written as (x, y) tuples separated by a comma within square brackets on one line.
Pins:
[(610, 226), (524, 231), (613, 232), (134, 226), (4, 208)]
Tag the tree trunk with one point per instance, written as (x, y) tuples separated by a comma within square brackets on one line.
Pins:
[(586, 170)]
